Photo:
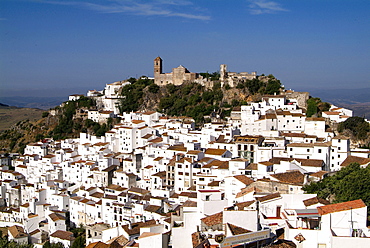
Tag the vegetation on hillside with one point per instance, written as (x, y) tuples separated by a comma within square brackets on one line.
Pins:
[(133, 93), (71, 127), (315, 107), (189, 99), (61, 126), (357, 128), (5, 243), (350, 183), (271, 87), (192, 100)]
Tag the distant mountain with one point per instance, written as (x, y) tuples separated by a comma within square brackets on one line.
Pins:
[(348, 96), (3, 105), (44, 103), (357, 100)]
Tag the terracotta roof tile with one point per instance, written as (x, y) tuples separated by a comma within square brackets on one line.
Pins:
[(291, 177), (65, 235), (152, 208), (268, 197), (213, 219), (17, 231), (189, 203), (244, 179), (354, 159), (98, 244), (56, 217), (213, 151), (147, 234), (315, 200), (343, 206), (319, 174), (247, 190), (236, 230), (242, 205), (135, 227)]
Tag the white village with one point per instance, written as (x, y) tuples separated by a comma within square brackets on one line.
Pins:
[(159, 181)]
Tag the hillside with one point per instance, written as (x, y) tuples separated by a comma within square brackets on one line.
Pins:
[(20, 126), (189, 99), (11, 115)]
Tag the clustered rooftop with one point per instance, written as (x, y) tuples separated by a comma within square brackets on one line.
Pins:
[(155, 181)]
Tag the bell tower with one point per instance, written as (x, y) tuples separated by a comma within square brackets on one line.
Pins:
[(223, 72), (157, 66)]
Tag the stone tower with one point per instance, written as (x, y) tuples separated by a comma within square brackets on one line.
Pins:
[(223, 72), (157, 66)]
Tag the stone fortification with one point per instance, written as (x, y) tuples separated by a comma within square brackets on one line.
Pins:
[(178, 75)]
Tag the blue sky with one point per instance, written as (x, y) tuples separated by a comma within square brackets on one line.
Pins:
[(52, 45)]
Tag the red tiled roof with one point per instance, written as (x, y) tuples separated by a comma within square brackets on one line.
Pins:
[(291, 177), (213, 219), (244, 179), (189, 203), (213, 151), (354, 159), (319, 174), (242, 205), (17, 231), (56, 217), (315, 200), (268, 197), (98, 244), (135, 227), (343, 206), (236, 230), (63, 235)]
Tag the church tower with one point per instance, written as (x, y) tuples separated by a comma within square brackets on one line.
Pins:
[(223, 72), (157, 66)]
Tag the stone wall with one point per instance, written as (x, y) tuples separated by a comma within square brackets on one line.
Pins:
[(301, 97)]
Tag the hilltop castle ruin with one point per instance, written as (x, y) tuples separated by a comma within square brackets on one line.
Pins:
[(181, 75)]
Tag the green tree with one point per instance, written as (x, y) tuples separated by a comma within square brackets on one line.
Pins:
[(315, 107), (5, 243), (311, 107), (133, 93), (273, 86), (153, 88), (79, 242), (357, 126), (350, 183), (48, 244)]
